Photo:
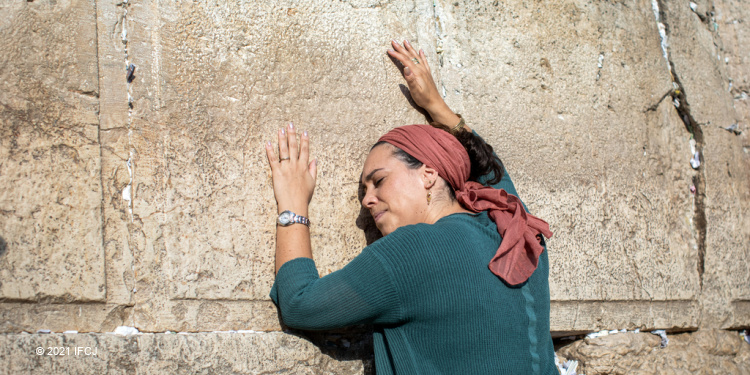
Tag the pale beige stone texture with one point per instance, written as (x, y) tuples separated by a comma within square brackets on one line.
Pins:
[(212, 84), (149, 203), (196, 353), (701, 64), (702, 352), (81, 317), (575, 317), (115, 143), (574, 98), (50, 186)]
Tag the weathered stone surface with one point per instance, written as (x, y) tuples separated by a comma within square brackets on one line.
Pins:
[(171, 198), (574, 317), (197, 353), (209, 89), (701, 352), (50, 186), (701, 64), (115, 137), (82, 317), (574, 99)]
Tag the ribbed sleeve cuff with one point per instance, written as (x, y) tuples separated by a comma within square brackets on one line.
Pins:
[(293, 276)]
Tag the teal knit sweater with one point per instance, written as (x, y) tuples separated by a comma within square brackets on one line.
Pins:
[(435, 305)]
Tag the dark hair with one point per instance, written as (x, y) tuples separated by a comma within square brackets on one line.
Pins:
[(482, 157)]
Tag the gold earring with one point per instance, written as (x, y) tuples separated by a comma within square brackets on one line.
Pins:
[(429, 197)]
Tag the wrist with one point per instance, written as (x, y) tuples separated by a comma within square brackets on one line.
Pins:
[(301, 210), (444, 115), (440, 108)]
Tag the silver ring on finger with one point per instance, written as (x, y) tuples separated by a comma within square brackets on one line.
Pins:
[(416, 61), (282, 159)]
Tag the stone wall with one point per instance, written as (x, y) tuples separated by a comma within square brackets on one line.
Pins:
[(145, 201)]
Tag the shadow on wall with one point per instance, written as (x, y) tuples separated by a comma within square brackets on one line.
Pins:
[(345, 344), (3, 246), (350, 343), (365, 221)]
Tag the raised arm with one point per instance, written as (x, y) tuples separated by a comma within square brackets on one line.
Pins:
[(418, 76), (422, 86)]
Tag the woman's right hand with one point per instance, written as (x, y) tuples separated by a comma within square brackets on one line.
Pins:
[(293, 174), (422, 86)]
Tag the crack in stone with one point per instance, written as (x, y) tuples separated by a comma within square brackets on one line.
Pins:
[(682, 107), (653, 107), (90, 93), (379, 4), (128, 192)]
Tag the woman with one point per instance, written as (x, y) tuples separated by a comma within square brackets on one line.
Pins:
[(446, 293)]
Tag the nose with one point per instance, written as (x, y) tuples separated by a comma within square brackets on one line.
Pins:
[(369, 200)]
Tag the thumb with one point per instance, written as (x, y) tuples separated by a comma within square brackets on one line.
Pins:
[(313, 169)]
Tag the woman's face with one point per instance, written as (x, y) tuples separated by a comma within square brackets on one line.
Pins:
[(394, 194)]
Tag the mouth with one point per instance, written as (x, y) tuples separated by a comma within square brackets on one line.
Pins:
[(377, 215)]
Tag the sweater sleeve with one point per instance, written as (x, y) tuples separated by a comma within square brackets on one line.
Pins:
[(360, 293)]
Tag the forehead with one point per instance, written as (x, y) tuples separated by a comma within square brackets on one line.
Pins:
[(380, 157)]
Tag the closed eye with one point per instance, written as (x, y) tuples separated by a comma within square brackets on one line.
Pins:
[(377, 183)]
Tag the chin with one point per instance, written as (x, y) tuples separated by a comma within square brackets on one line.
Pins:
[(384, 231)]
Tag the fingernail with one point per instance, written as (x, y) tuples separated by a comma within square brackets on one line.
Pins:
[(268, 144), (406, 41), (283, 131), (420, 51), (304, 133), (407, 71), (291, 126)]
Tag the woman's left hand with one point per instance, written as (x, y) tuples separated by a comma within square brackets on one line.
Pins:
[(418, 75), (293, 176)]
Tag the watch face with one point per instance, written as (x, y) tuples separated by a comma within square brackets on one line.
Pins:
[(285, 218)]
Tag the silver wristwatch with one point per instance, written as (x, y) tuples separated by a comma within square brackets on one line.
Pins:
[(288, 218)]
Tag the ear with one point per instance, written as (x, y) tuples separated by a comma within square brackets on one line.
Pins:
[(429, 176)]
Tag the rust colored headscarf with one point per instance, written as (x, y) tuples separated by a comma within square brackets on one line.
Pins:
[(518, 254)]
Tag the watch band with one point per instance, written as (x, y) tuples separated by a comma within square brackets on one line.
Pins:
[(301, 220), (288, 218)]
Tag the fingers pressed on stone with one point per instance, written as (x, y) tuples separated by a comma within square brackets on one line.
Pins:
[(409, 49), (313, 169), (283, 145), (423, 59), (292, 139), (399, 56), (397, 47), (273, 160)]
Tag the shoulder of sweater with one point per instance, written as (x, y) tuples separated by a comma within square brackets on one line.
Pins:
[(421, 236)]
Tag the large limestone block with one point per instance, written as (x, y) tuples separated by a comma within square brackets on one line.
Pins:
[(211, 84), (196, 353), (50, 186), (726, 281), (697, 39), (574, 98), (81, 317), (701, 352)]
